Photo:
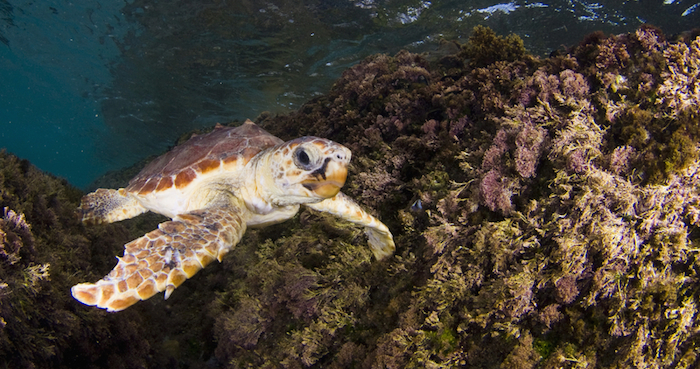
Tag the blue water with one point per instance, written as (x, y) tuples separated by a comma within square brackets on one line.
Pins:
[(92, 86), (53, 69)]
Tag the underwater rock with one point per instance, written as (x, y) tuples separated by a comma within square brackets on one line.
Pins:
[(43, 251), (556, 227)]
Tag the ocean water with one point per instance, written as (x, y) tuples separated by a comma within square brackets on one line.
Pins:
[(92, 86)]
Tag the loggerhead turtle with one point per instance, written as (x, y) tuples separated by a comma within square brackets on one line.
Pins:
[(212, 187)]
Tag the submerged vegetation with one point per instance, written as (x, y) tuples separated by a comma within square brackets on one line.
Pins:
[(545, 213)]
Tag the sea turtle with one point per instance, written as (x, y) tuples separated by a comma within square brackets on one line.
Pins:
[(213, 187)]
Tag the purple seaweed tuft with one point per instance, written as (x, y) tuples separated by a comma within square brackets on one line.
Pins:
[(529, 143), (495, 192)]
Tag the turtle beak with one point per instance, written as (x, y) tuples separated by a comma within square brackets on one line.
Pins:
[(327, 180)]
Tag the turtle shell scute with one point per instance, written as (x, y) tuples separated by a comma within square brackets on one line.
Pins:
[(202, 154)]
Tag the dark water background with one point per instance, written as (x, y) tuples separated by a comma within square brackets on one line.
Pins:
[(92, 86)]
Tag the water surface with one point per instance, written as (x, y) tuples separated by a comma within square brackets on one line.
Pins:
[(88, 87)]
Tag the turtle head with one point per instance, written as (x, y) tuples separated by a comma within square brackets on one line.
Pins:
[(305, 170)]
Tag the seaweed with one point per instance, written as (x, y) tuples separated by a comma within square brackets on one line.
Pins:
[(533, 200)]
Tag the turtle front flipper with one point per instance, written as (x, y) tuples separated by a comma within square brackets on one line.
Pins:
[(379, 237), (163, 259), (107, 206)]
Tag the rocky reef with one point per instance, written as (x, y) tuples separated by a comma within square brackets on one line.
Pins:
[(42, 251), (545, 212)]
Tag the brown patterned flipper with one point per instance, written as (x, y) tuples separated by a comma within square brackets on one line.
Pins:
[(378, 235), (108, 206), (163, 259)]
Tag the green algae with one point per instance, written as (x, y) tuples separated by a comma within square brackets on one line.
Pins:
[(485, 47), (40, 326)]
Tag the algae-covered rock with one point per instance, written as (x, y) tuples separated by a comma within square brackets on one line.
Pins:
[(545, 212), (43, 252)]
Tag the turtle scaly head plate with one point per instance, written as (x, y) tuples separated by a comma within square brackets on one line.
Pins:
[(304, 170)]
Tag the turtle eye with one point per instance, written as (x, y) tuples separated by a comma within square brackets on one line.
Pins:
[(302, 159)]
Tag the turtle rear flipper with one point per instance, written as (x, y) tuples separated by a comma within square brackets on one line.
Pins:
[(163, 259), (108, 206)]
